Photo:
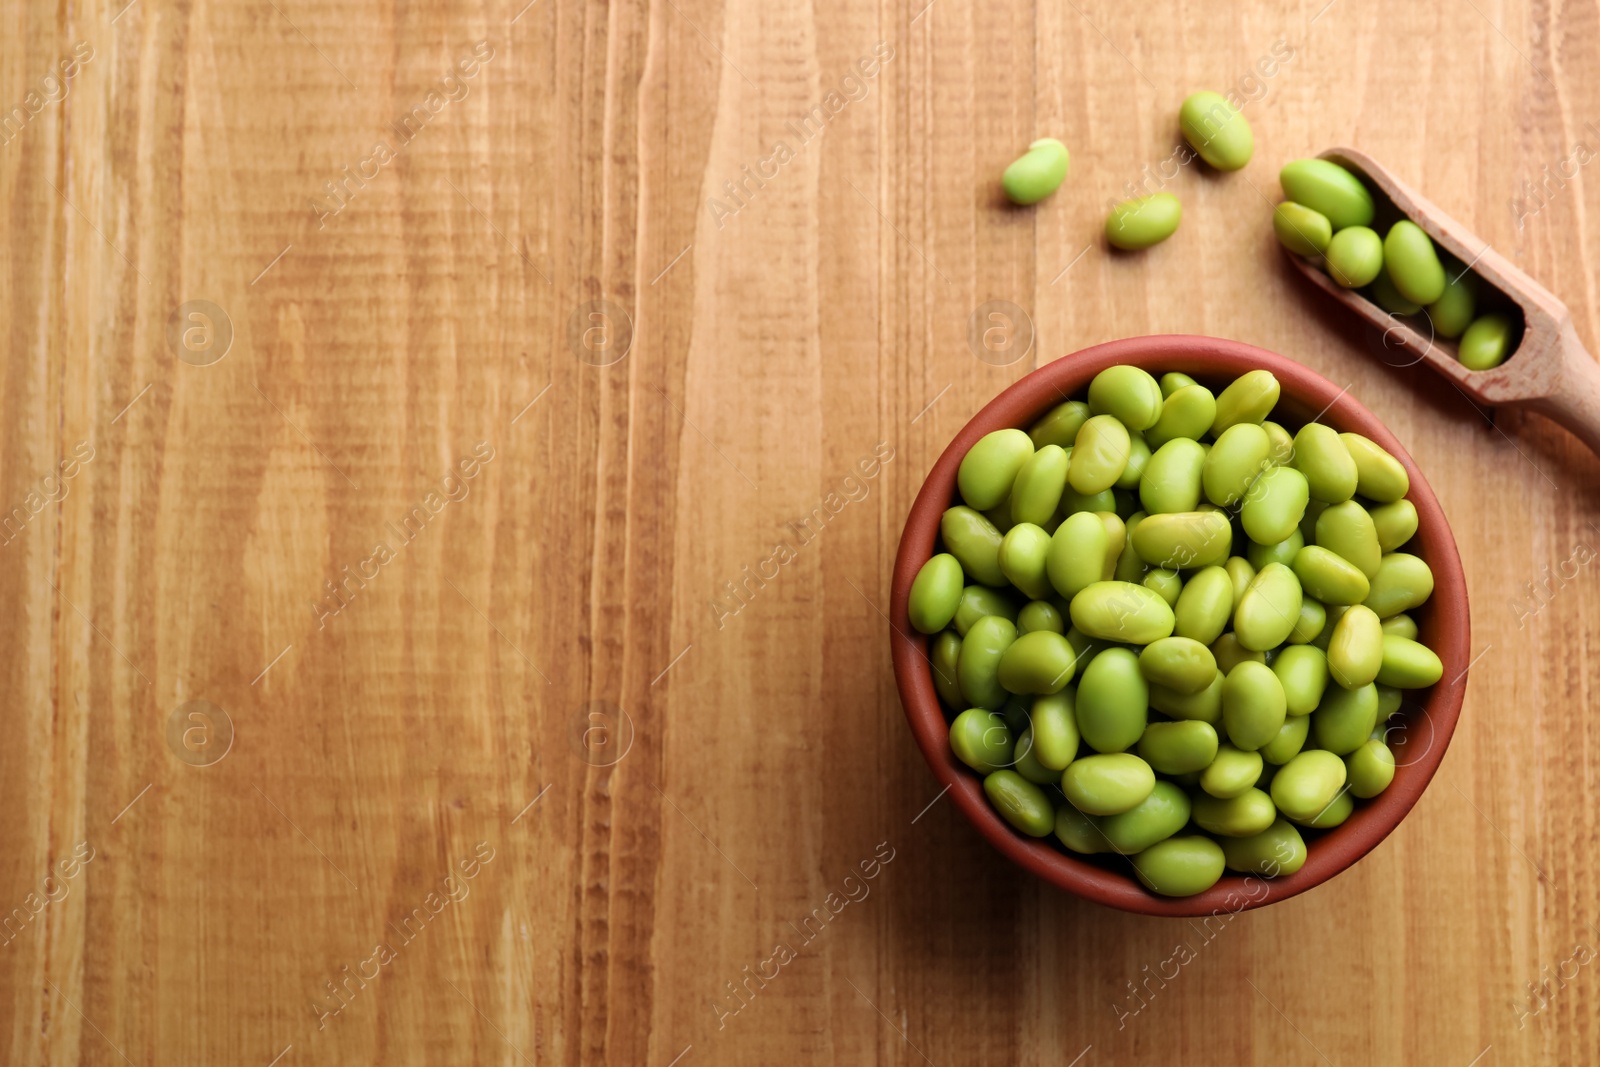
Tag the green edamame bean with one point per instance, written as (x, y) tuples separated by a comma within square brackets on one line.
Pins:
[(1241, 453), (1354, 256), (1322, 457), (1274, 505), (1205, 605), (1335, 612), (1305, 786), (1402, 582), (1288, 741), (1396, 523), (975, 542), (1245, 815), (1412, 263), (1345, 718), (1184, 539), (935, 594), (1142, 222), (1282, 441), (1036, 493), (1076, 556), (1171, 481), (1253, 705), (943, 658), (978, 601), (1330, 189), (1038, 663), (1072, 501), (1121, 611), (980, 739), (1116, 539), (1040, 615), (1204, 706), (1098, 456), (1054, 721), (1129, 394), (1269, 609), (1389, 701), (1400, 626), (1138, 459), (1337, 811), (1129, 567), (1386, 296), (1187, 412), (1060, 425), (1355, 651), (1486, 343), (1174, 380), (1216, 130), (1408, 664), (1282, 552), (1179, 663), (1180, 866), (1025, 763), (990, 466), (1309, 626), (1178, 747), (1302, 670), (1023, 551), (1277, 850), (1301, 230), (1452, 313), (1346, 530), (1038, 172), (1232, 772), (1079, 832), (1369, 769), (1329, 577), (1113, 702), (1024, 805), (1168, 584), (1379, 476), (1314, 510), (1230, 653), (1249, 398), (1155, 818), (1000, 515), (978, 669), (1107, 784)]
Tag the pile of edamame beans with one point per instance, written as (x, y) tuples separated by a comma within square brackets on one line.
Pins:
[(1168, 628), (1329, 216)]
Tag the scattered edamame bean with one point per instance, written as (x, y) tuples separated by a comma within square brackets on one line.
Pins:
[(1253, 705), (1232, 772), (1140, 223), (1379, 476), (978, 669), (1121, 611), (1269, 608), (1345, 718), (1186, 412), (1288, 741), (1402, 582), (1305, 786), (1245, 815), (1396, 523), (1326, 462), (1216, 130), (1179, 663), (1205, 606), (1098, 456), (1036, 493), (1040, 663), (1184, 539), (1038, 172), (1155, 818), (1241, 452), (1022, 556), (1128, 393), (1249, 398), (1054, 721), (1369, 769), (1040, 615), (975, 542), (1060, 426), (1179, 747), (1302, 670), (1408, 664), (1274, 505), (1277, 850)]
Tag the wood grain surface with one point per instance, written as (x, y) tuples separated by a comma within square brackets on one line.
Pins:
[(450, 462)]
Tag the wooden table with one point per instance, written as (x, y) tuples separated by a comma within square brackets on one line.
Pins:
[(451, 460)]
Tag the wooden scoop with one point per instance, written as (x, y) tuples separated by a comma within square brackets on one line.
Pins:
[(1549, 371)]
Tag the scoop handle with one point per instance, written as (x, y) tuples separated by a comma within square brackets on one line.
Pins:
[(1575, 400)]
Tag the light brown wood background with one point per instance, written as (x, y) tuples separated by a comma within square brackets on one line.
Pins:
[(473, 691)]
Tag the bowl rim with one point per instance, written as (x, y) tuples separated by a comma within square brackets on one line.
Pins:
[(1448, 626)]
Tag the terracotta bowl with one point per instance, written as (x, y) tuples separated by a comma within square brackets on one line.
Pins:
[(1418, 735)]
